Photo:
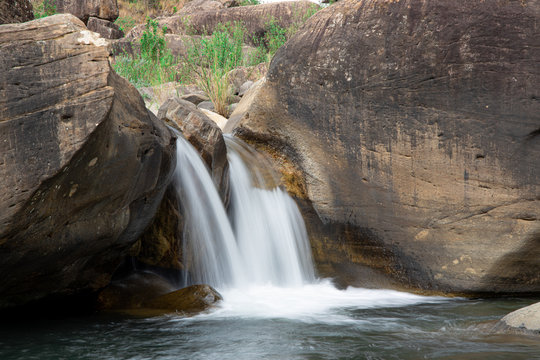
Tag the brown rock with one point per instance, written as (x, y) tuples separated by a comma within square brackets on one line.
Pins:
[(15, 11), (194, 6), (189, 300), (255, 18), (105, 28), (84, 165), (204, 134), (132, 291), (84, 9), (522, 321), (403, 118)]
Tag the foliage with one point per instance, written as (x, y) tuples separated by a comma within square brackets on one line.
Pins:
[(212, 57), (125, 23), (155, 63), (248, 2), (44, 8)]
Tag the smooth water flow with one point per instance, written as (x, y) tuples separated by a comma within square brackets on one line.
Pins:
[(269, 244)]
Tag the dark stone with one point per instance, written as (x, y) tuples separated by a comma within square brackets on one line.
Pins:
[(15, 11), (105, 28), (84, 165), (416, 124)]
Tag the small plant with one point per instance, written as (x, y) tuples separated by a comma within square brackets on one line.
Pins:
[(248, 2), (212, 57), (125, 23), (44, 8), (275, 36), (155, 63)]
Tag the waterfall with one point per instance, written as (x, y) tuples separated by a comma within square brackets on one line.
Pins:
[(261, 241)]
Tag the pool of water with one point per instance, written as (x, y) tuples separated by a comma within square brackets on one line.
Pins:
[(312, 322)]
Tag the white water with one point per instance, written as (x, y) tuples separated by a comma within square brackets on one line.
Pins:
[(259, 257)]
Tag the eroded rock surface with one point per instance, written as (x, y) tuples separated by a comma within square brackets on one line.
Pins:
[(84, 9), (15, 11), (83, 164), (415, 126)]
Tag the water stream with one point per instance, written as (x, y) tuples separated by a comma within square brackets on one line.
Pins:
[(258, 256)]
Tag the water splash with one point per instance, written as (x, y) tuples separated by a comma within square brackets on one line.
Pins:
[(269, 244)]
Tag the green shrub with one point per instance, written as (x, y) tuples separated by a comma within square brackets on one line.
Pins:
[(125, 23), (44, 8), (248, 2), (154, 65), (210, 59)]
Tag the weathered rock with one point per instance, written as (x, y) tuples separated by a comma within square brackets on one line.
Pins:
[(255, 18), (84, 9), (189, 300), (208, 105), (415, 127), (155, 96), (204, 134), (525, 321), (15, 11), (194, 6), (131, 292), (245, 87), (84, 165), (105, 28), (241, 74), (195, 98), (216, 118), (161, 243)]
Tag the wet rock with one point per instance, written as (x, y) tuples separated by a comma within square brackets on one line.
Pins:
[(105, 28), (401, 118), (161, 243), (132, 291), (189, 300), (84, 164), (15, 11), (204, 134), (84, 9)]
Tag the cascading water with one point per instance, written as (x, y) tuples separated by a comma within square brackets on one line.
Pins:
[(269, 244), (258, 256)]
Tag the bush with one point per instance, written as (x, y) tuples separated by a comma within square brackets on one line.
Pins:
[(154, 65), (44, 8), (211, 58)]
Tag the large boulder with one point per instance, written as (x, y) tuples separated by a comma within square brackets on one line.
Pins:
[(15, 11), (197, 19), (415, 125), (205, 135), (524, 321), (84, 9), (84, 164)]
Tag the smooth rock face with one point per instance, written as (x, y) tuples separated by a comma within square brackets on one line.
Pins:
[(416, 127), (83, 164), (192, 299), (15, 11), (525, 320), (83, 9)]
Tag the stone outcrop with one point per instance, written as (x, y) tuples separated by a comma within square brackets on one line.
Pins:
[(415, 128), (15, 11), (204, 134), (189, 300), (198, 20), (84, 9), (105, 28), (83, 164)]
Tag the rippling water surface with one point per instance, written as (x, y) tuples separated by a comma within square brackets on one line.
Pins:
[(312, 322)]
